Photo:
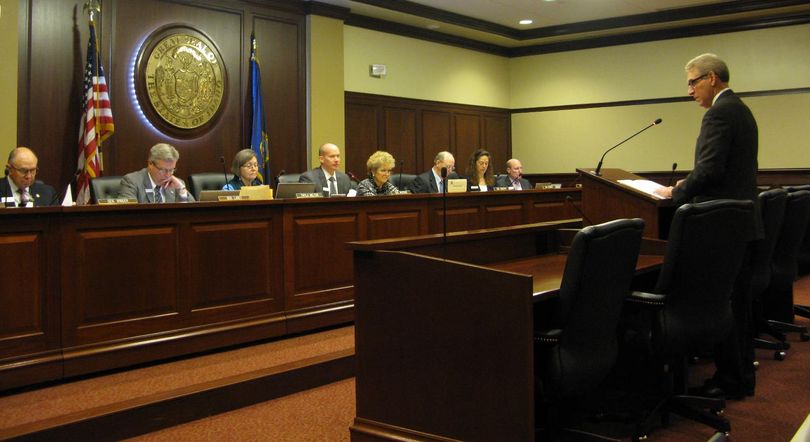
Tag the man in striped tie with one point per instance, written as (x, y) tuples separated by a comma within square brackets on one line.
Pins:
[(21, 188)]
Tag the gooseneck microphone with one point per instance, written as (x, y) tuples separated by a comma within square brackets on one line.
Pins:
[(570, 201), (444, 201), (672, 174), (599, 166), (401, 165), (224, 170)]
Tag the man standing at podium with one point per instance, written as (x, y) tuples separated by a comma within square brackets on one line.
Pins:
[(725, 167)]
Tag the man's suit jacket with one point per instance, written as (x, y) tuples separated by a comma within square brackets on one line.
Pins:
[(506, 181), (316, 175), (135, 184), (42, 194), (425, 183), (725, 156)]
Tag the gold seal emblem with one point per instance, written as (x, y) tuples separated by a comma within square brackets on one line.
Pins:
[(184, 79)]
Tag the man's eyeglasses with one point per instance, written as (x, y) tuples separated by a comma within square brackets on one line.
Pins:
[(166, 171), (691, 83), (23, 171)]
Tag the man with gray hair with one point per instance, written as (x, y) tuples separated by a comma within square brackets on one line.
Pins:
[(431, 181), (725, 167), (156, 182)]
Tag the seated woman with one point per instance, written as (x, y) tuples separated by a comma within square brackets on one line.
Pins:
[(479, 174), (380, 164), (245, 168)]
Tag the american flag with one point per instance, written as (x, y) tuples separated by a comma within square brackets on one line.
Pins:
[(97, 120)]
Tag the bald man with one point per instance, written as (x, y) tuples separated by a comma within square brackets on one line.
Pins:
[(514, 177), (20, 188), (327, 178)]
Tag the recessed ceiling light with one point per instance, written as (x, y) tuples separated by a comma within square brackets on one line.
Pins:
[(526, 21), (433, 26)]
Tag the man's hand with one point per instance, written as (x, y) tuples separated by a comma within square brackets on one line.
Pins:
[(665, 192)]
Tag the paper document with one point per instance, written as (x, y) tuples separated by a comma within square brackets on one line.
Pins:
[(645, 186)]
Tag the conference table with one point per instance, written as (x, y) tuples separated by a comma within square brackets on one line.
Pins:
[(444, 329), (92, 288)]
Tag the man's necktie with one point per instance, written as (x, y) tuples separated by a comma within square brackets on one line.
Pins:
[(516, 185), (25, 197), (158, 195), (332, 186), (441, 186)]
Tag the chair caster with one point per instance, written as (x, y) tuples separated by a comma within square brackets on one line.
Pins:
[(638, 438), (804, 337), (717, 411), (779, 355), (756, 365)]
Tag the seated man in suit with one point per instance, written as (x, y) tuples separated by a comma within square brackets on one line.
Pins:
[(156, 182), (514, 177), (20, 188), (431, 181), (327, 178)]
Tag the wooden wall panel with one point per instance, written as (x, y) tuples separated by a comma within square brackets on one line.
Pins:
[(363, 135), (438, 126), (394, 224), (400, 136), (52, 64), (503, 215)]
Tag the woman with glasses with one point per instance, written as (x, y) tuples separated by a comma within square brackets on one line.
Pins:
[(245, 168), (380, 165), (479, 174)]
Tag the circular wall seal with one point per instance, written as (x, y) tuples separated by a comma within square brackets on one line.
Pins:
[(180, 78)]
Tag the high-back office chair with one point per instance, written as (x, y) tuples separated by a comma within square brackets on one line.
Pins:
[(402, 180), (778, 298), (104, 187), (577, 352), (289, 178), (691, 302), (803, 257), (197, 182), (772, 206)]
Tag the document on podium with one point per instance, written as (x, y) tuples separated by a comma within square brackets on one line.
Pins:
[(645, 186)]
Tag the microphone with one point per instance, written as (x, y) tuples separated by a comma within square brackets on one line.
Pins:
[(570, 201), (672, 174), (599, 166), (224, 170), (353, 177), (401, 165), (280, 173)]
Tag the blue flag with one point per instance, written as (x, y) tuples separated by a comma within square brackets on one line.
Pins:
[(259, 140)]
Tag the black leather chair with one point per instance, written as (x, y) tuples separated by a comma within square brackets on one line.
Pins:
[(691, 302), (289, 178), (803, 257), (104, 187), (778, 299), (772, 205), (579, 348), (402, 181), (197, 182)]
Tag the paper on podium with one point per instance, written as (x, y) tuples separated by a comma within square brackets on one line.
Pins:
[(645, 186)]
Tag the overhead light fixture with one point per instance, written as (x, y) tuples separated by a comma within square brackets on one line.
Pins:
[(433, 26), (526, 21)]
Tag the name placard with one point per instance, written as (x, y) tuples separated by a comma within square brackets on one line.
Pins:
[(232, 198), (309, 195), (111, 201), (457, 185)]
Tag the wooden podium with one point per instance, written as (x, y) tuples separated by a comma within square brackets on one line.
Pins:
[(605, 199)]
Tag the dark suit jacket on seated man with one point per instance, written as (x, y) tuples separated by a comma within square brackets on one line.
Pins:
[(725, 167), (514, 177), (156, 182), (20, 187), (428, 182), (329, 156)]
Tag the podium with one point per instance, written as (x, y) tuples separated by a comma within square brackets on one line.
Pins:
[(605, 199)]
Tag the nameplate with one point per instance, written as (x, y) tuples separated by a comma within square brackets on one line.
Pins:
[(233, 198), (501, 189), (257, 193), (110, 201), (458, 185), (309, 195)]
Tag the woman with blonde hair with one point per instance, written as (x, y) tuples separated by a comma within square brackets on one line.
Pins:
[(380, 165)]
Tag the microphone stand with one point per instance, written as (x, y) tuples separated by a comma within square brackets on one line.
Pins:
[(672, 174), (599, 166), (444, 201), (401, 164), (224, 170)]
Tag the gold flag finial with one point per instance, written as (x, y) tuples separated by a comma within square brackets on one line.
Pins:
[(92, 7)]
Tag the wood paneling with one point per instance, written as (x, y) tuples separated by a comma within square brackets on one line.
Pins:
[(427, 127), (52, 64)]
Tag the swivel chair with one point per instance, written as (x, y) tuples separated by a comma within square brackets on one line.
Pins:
[(197, 182), (402, 180), (289, 178), (691, 302), (104, 187), (577, 352), (778, 299)]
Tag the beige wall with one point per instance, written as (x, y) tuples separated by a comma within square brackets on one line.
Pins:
[(424, 70), (326, 98), (8, 76), (560, 141)]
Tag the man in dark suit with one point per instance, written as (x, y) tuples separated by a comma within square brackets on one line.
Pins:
[(431, 181), (327, 178), (20, 188), (514, 177), (156, 182), (725, 167)]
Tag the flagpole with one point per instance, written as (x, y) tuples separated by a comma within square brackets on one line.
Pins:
[(93, 7)]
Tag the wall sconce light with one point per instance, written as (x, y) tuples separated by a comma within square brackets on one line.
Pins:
[(377, 70)]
